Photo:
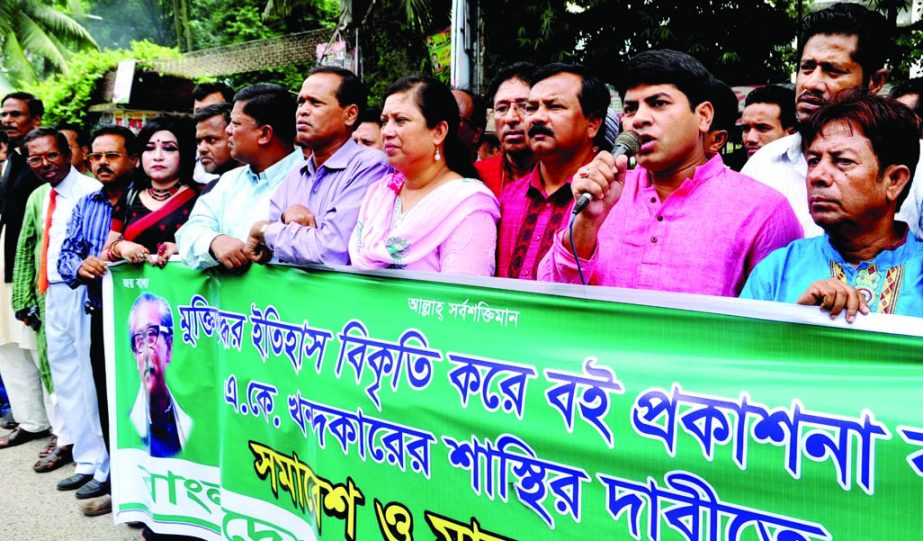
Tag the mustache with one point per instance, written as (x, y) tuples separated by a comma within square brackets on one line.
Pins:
[(811, 97), (104, 169), (540, 129)]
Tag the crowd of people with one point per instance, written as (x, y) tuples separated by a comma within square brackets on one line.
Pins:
[(824, 212)]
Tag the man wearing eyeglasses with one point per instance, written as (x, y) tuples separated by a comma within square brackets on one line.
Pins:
[(163, 426), (40, 292), (509, 91), (112, 158)]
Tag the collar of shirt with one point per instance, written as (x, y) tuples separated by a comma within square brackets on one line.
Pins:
[(67, 188), (100, 196), (278, 169), (338, 161), (794, 152), (708, 170), (895, 255), (536, 188)]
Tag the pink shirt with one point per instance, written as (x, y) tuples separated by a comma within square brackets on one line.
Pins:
[(529, 218), (704, 238)]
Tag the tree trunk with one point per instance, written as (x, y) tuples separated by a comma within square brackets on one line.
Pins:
[(178, 25), (187, 34)]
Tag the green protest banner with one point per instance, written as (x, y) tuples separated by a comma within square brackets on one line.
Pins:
[(293, 404)]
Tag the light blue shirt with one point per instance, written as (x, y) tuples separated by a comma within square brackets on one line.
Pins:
[(892, 282), (238, 200)]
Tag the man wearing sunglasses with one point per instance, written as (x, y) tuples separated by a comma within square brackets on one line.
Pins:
[(160, 422), (112, 158)]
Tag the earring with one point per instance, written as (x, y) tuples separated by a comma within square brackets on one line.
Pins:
[(437, 156)]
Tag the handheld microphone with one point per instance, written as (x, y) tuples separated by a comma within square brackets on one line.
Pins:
[(626, 144)]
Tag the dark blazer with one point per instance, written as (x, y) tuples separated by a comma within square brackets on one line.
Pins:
[(17, 184)]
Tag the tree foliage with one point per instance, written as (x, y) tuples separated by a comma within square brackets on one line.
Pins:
[(212, 23), (67, 96), (395, 46), (739, 41), (36, 38)]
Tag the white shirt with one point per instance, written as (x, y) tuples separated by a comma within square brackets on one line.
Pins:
[(71, 188), (781, 165), (200, 175), (238, 200)]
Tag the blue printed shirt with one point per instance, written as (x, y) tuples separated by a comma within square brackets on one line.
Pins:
[(890, 283)]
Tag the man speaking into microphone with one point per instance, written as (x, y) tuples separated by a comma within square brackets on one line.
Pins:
[(565, 124), (679, 221)]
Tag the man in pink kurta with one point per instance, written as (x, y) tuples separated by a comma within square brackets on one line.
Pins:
[(679, 221)]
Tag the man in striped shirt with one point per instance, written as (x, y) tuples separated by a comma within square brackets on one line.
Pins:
[(112, 158)]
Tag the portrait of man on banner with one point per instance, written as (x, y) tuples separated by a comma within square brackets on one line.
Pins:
[(163, 426)]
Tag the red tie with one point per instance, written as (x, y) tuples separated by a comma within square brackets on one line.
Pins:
[(43, 269)]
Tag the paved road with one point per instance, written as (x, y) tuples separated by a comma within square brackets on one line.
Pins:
[(33, 509)]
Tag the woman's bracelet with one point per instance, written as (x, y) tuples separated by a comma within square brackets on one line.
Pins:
[(110, 251)]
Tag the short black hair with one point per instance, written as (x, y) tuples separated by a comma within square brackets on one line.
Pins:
[(873, 43), (182, 128), (779, 95), (668, 67), (351, 91), (82, 136), (478, 109), (270, 104), (35, 105), (910, 86), (890, 126), (524, 71), (128, 136), (724, 100), (369, 114), (215, 109), (202, 90), (38, 133), (593, 96)]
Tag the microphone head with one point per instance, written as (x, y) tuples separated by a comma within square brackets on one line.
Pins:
[(630, 140)]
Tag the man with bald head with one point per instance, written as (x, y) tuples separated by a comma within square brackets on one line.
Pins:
[(472, 119)]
